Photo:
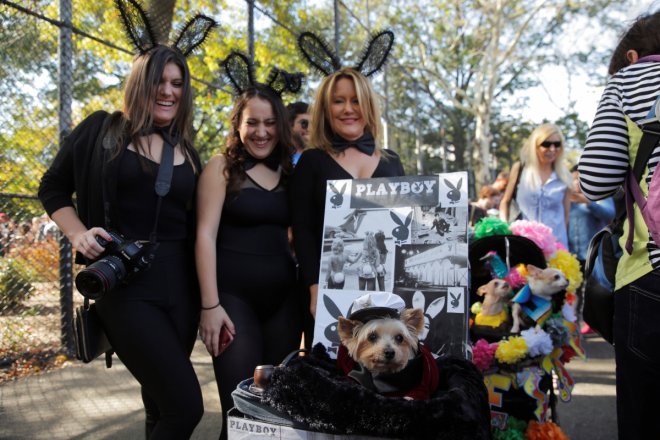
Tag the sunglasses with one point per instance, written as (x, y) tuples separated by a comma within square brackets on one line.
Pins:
[(548, 144), (304, 123)]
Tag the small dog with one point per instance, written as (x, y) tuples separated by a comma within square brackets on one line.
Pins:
[(385, 355), (495, 293), (535, 298)]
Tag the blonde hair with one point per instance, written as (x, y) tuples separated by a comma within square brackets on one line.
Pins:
[(337, 245), (321, 130), (530, 160)]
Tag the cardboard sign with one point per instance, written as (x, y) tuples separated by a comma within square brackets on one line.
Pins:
[(405, 235)]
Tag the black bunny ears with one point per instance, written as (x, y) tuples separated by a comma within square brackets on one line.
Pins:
[(141, 34), (239, 71), (318, 54)]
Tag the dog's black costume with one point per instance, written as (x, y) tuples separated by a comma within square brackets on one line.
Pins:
[(313, 391)]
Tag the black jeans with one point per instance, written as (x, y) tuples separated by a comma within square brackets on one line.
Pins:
[(637, 350)]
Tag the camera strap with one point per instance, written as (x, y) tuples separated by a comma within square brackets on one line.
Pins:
[(164, 177)]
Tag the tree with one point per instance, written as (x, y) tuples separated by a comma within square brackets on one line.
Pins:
[(467, 56)]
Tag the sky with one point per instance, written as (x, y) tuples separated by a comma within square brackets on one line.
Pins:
[(550, 100)]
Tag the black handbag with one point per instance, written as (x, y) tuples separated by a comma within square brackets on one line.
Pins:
[(600, 271), (514, 209), (88, 335)]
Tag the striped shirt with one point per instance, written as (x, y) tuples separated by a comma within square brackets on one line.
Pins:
[(630, 93)]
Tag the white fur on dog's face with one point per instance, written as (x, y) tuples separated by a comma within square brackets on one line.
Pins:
[(383, 345), (545, 282), (497, 287)]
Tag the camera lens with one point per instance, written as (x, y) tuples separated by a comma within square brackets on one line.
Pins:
[(100, 277)]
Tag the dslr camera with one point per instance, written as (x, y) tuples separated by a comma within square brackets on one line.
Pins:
[(121, 260)]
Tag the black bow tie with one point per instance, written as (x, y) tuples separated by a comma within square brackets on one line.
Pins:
[(272, 161), (365, 144)]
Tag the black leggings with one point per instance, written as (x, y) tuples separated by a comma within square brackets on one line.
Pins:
[(261, 338), (152, 326)]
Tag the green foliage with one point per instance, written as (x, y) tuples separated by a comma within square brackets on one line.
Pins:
[(15, 285)]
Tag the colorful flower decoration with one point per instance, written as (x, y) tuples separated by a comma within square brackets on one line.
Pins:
[(538, 233), (555, 327), (511, 351), (488, 226), (570, 267), (537, 351), (538, 342), (515, 430), (544, 431), (517, 277), (483, 354)]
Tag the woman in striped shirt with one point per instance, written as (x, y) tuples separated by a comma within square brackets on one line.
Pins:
[(611, 147)]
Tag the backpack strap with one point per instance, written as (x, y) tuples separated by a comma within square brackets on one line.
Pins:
[(633, 192), (515, 188)]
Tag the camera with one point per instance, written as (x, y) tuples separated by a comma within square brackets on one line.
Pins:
[(121, 260)]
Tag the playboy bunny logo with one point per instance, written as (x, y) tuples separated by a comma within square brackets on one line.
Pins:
[(436, 306), (330, 331), (456, 300), (454, 194), (401, 232), (338, 198)]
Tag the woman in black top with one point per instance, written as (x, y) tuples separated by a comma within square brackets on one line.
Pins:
[(345, 129), (152, 320), (244, 261)]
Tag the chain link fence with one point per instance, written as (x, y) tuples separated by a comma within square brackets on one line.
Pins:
[(53, 72)]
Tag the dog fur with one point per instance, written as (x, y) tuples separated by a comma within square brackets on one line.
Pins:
[(495, 293), (383, 345), (543, 283)]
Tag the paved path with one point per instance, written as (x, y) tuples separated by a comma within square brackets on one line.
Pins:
[(92, 402)]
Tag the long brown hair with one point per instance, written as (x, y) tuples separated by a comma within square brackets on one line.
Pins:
[(140, 93), (235, 152)]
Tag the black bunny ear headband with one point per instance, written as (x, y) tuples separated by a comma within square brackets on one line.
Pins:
[(141, 34), (239, 71), (318, 54)]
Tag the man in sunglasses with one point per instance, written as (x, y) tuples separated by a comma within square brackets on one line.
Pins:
[(299, 119)]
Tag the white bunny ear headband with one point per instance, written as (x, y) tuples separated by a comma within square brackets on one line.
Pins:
[(140, 32), (239, 71), (318, 54)]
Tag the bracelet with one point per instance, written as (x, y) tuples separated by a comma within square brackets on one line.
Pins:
[(211, 308)]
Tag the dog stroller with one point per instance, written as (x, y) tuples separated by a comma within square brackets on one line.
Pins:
[(520, 376), (310, 398)]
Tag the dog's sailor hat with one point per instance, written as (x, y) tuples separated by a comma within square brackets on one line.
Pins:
[(376, 305)]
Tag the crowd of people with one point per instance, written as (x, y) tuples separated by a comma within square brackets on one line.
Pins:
[(24, 233), (240, 237)]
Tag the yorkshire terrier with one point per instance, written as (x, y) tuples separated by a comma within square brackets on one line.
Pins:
[(385, 355)]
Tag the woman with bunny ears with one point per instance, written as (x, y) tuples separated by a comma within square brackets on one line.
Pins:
[(111, 162), (245, 265), (345, 129)]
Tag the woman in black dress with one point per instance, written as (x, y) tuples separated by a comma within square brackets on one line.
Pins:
[(111, 162), (244, 260), (345, 129)]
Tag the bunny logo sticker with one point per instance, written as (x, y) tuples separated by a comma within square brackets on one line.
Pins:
[(454, 194), (330, 332), (401, 231), (430, 313), (337, 197)]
